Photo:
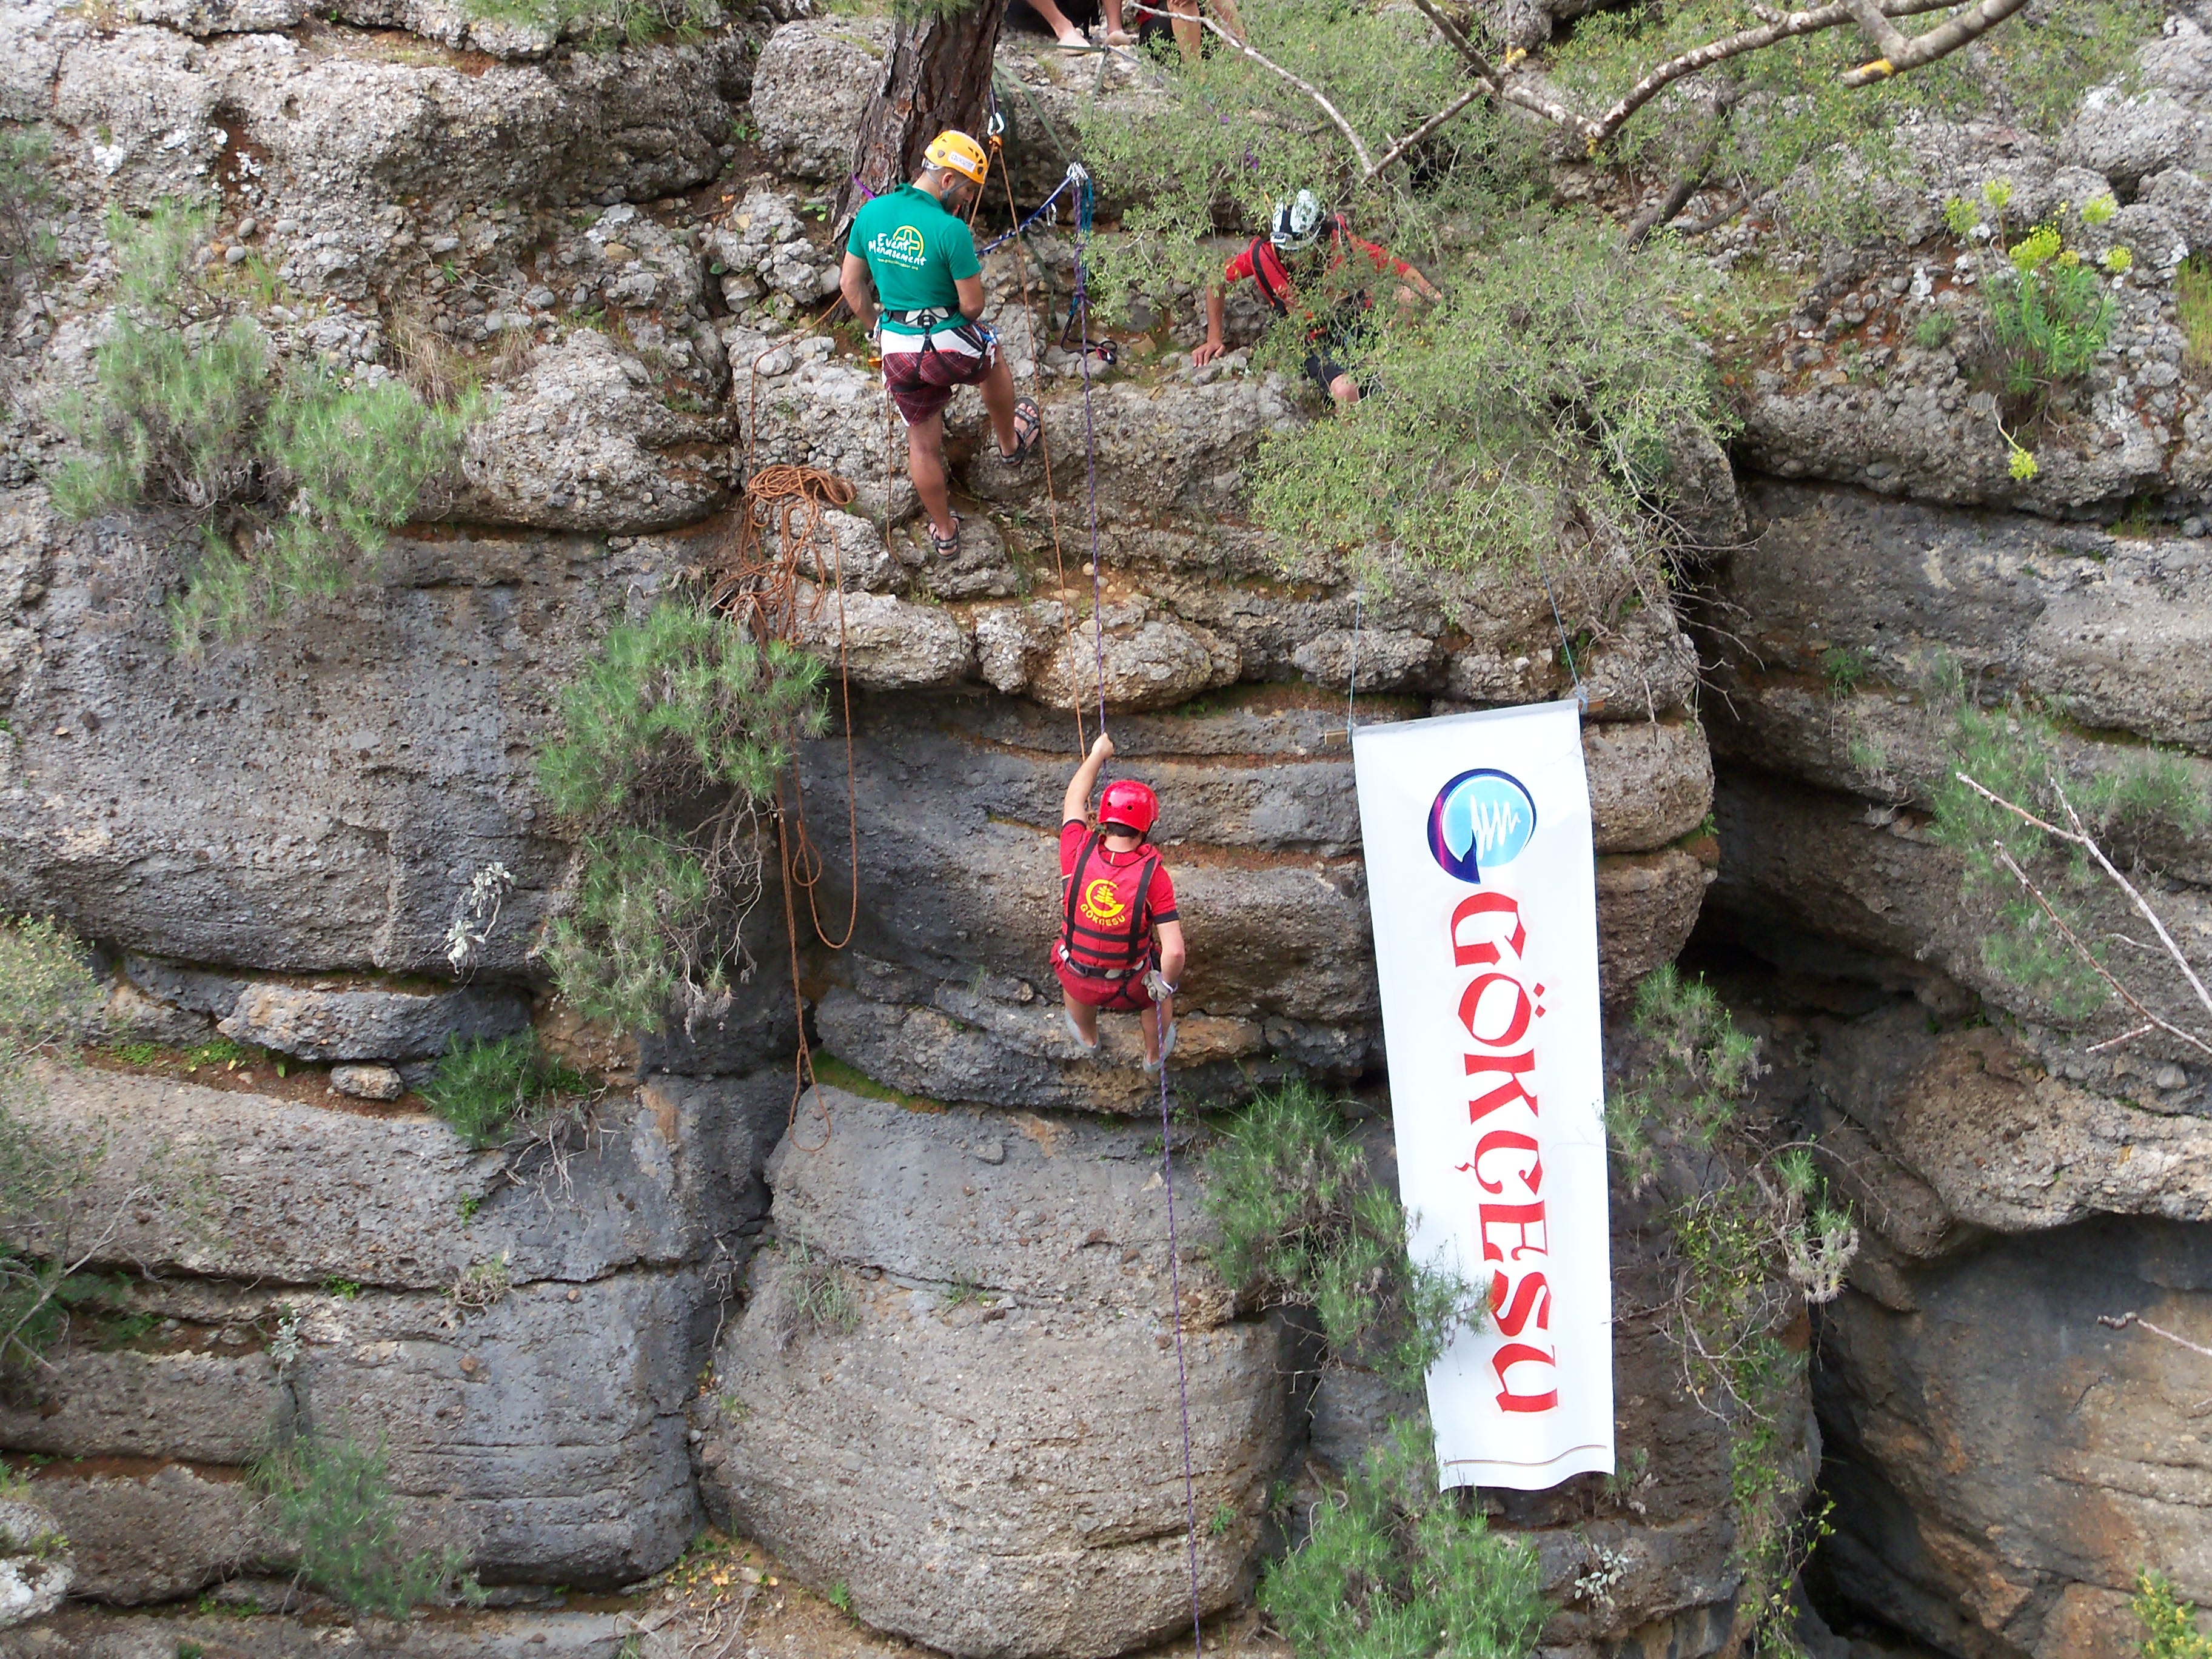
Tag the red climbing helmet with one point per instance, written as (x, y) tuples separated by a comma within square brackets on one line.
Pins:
[(1128, 805)]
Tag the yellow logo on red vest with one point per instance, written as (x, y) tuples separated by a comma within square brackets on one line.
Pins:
[(1101, 904)]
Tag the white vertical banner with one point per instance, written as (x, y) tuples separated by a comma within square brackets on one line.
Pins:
[(1481, 882)]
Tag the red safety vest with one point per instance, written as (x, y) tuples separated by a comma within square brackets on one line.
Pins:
[(1106, 914)]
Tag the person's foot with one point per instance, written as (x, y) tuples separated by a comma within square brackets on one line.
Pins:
[(1073, 40), (1167, 1047), (1088, 1045), (1029, 426), (945, 543), (1120, 37)]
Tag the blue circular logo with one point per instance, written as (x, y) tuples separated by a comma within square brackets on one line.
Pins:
[(1480, 819)]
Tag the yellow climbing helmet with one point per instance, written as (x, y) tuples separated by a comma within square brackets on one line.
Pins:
[(955, 152)]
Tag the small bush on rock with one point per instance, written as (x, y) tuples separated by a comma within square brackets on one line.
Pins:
[(27, 247), (294, 476), (2169, 1629), (490, 1090), (1303, 1220), (2049, 313), (334, 1505), (1395, 1570), (603, 24), (674, 739), (1757, 1238)]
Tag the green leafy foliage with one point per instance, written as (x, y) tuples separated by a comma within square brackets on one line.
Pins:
[(490, 1088), (1303, 1219), (2169, 1629), (1542, 401), (817, 1296), (2192, 301), (673, 741), (1696, 1067), (27, 191), (333, 1503), (1395, 1570), (2015, 752), (603, 24), (295, 477), (1816, 145), (1756, 1235), (2049, 313)]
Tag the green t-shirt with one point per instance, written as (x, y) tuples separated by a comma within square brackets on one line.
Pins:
[(916, 252)]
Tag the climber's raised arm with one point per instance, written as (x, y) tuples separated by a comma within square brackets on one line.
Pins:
[(1075, 806)]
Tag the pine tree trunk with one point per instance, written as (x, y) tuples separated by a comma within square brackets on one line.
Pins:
[(937, 75)]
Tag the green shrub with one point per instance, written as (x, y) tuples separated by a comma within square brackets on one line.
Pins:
[(1394, 1569), (1755, 1235), (2169, 1629), (27, 190), (2015, 752), (1843, 667), (2049, 313), (2192, 301), (816, 1295), (490, 1088), (602, 23), (333, 1503), (295, 478), (1303, 1220), (672, 742)]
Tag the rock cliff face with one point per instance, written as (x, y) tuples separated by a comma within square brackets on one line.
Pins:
[(574, 1353)]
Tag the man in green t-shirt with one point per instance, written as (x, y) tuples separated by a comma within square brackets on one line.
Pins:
[(911, 258)]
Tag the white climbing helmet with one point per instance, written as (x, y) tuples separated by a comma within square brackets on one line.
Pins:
[(1296, 223)]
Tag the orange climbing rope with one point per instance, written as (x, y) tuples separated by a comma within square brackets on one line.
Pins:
[(1044, 448)]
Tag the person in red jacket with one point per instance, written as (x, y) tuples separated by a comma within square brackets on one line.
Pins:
[(1121, 947), (1294, 244)]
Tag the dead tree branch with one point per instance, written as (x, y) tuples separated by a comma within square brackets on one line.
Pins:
[(2079, 836), (2128, 1319), (1330, 109)]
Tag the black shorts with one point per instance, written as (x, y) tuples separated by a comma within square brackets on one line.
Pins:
[(1346, 332)]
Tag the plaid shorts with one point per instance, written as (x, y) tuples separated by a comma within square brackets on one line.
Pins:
[(922, 382)]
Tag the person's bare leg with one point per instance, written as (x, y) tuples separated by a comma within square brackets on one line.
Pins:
[(1344, 389), (1183, 21), (925, 464), (1227, 8), (1084, 1016), (1151, 1017), (1116, 34), (997, 390), (1056, 20)]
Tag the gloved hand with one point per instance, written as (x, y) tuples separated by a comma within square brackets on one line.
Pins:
[(1156, 984)]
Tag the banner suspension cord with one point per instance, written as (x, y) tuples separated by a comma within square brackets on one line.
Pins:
[(1581, 692)]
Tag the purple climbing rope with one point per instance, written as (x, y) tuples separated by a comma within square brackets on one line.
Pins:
[(1167, 1128)]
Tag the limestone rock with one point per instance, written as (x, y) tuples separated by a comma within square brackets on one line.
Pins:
[(2067, 1455), (835, 416), (811, 87), (205, 17), (371, 1024), (1151, 661), (156, 1531), (542, 1436), (888, 644), (36, 1568), (368, 1082), (582, 442), (1020, 1453), (1647, 902), (305, 1194), (130, 1016)]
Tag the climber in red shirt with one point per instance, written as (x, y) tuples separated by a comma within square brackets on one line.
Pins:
[(1121, 947), (1292, 247)]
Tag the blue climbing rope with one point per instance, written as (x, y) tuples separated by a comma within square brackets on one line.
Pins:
[(1075, 172)]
